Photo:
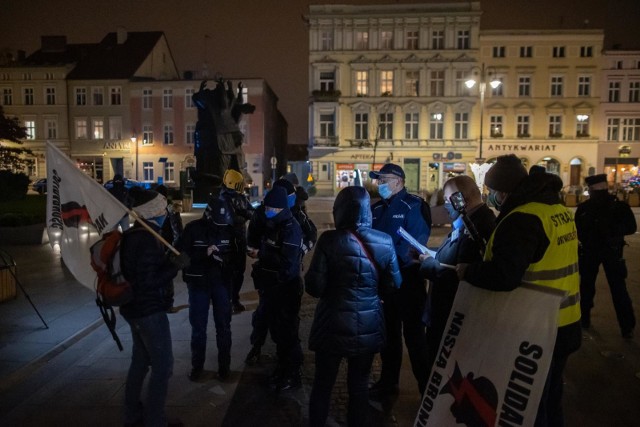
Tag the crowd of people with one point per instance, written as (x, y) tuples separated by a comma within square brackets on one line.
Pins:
[(373, 287)]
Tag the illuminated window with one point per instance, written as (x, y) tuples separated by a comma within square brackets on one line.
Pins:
[(386, 82)]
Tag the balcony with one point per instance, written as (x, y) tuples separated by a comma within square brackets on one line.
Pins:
[(326, 141), (326, 95)]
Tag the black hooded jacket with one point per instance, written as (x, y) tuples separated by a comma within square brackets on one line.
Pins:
[(349, 318), (149, 270)]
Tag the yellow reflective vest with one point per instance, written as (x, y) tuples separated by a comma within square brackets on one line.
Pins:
[(558, 268)]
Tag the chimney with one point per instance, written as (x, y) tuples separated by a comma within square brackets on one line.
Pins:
[(121, 35)]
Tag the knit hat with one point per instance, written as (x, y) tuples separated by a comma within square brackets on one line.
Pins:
[(276, 198), (596, 179), (287, 185), (292, 178), (148, 204), (506, 173)]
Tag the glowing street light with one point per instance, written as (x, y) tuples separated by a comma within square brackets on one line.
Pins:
[(481, 75)]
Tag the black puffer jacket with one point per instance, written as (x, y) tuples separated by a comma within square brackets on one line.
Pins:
[(349, 318), (148, 269)]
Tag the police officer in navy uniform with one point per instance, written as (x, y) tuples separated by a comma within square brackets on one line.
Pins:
[(403, 309), (602, 222)]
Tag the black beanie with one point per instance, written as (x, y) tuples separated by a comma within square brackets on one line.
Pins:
[(276, 198), (287, 185), (506, 173)]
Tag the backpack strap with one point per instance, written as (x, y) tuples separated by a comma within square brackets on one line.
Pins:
[(109, 317), (367, 253)]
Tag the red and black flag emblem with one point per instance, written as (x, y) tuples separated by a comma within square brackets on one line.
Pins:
[(476, 399), (73, 214)]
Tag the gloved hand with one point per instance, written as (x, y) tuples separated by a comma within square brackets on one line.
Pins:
[(181, 261)]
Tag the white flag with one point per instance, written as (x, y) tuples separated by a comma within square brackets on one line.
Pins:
[(79, 211), (493, 359)]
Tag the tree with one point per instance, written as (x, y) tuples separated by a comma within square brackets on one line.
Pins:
[(13, 157)]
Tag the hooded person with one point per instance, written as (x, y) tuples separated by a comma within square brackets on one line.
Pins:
[(120, 192), (534, 233), (349, 265), (150, 272)]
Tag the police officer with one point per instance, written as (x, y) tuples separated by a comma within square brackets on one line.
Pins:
[(241, 212), (276, 275), (526, 246), (209, 242), (402, 310), (602, 222)]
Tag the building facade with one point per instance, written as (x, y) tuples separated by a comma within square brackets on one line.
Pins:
[(391, 84), (121, 106)]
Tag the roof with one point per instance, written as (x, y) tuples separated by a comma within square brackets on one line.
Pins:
[(110, 60), (96, 61)]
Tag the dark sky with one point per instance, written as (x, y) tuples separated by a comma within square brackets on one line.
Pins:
[(267, 38)]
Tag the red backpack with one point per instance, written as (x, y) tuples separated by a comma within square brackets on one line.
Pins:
[(112, 288)]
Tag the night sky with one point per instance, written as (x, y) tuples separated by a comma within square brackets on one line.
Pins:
[(268, 38)]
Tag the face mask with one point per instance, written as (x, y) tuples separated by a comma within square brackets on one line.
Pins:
[(492, 200), (158, 220), (453, 214), (270, 213), (458, 223), (384, 190), (291, 200)]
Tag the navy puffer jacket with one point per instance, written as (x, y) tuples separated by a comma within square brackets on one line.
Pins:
[(349, 319)]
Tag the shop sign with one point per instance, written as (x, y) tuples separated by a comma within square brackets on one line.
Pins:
[(521, 147), (361, 156), (116, 145), (447, 156)]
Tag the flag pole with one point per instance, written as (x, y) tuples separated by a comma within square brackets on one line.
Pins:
[(152, 231)]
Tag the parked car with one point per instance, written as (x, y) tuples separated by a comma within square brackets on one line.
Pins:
[(40, 186), (128, 184)]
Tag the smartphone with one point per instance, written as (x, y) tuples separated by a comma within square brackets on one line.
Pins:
[(457, 201)]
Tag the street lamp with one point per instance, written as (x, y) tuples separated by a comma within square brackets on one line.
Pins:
[(134, 140), (274, 163), (481, 75)]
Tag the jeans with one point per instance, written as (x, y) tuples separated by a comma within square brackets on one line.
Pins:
[(151, 348), (218, 294), (327, 366)]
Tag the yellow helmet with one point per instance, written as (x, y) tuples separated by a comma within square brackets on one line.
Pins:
[(233, 180)]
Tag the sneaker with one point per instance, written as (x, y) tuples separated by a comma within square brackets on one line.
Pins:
[(290, 382), (195, 374), (253, 356), (238, 307)]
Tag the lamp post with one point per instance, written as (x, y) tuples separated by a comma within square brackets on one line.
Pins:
[(481, 75), (134, 140), (274, 163)]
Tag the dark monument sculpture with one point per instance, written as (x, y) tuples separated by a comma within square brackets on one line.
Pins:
[(218, 140)]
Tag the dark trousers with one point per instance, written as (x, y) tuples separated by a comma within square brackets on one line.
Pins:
[(403, 316), (259, 321), (283, 317), (615, 269), (199, 299), (327, 365), (239, 265)]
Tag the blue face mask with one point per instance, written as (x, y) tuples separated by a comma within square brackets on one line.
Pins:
[(453, 214), (384, 190), (158, 220), (270, 213), (291, 200)]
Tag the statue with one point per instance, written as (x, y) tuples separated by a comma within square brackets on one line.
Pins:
[(218, 140)]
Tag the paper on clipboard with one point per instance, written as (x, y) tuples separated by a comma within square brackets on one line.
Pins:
[(413, 242)]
